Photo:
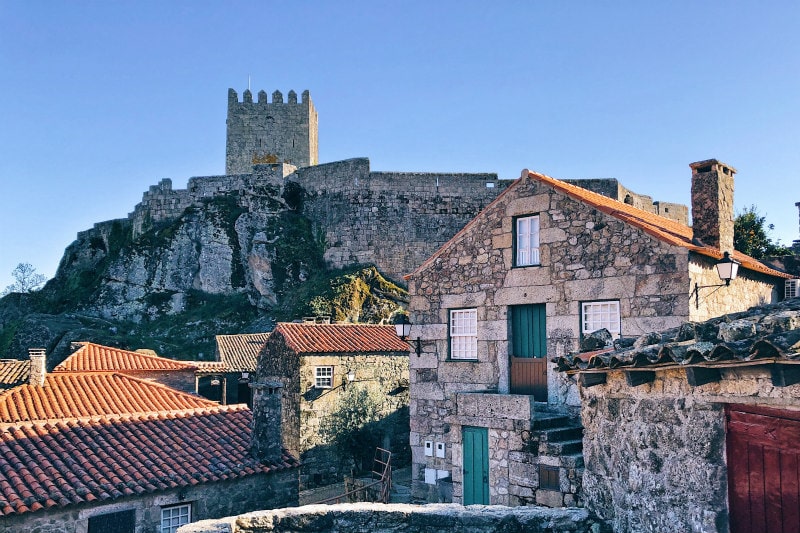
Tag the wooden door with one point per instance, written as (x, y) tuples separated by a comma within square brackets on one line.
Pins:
[(476, 465), (763, 470), (528, 343)]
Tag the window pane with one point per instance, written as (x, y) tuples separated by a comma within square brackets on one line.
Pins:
[(527, 241), (599, 315), (173, 517), (464, 334)]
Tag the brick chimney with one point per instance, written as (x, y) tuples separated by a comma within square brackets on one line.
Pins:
[(38, 366), (712, 204), (266, 442)]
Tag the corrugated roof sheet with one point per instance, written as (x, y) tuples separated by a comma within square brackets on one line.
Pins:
[(663, 229), (98, 358), (72, 395), (240, 352), (770, 332), (47, 465), (340, 338), (14, 372)]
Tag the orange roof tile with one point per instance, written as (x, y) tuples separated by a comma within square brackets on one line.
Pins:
[(663, 229), (59, 464), (97, 358), (240, 352), (340, 338), (72, 395), (13, 372)]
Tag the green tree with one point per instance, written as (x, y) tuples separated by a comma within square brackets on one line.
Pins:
[(750, 235), (26, 279), (353, 426)]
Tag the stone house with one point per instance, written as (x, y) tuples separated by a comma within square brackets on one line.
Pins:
[(239, 355), (542, 266), (695, 428), (322, 367), (104, 452)]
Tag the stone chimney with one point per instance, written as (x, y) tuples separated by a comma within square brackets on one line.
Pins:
[(712, 204), (266, 442), (38, 366)]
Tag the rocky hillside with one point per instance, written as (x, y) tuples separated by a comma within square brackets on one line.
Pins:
[(232, 263)]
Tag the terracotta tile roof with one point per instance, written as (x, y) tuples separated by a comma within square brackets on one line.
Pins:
[(210, 367), (73, 395), (57, 464), (769, 333), (97, 358), (340, 338), (663, 229), (14, 372), (240, 352)]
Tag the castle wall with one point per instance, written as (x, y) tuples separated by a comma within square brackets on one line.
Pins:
[(394, 220)]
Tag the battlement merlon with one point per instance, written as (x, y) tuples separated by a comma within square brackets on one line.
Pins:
[(277, 98)]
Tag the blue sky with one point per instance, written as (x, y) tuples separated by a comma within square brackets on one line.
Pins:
[(99, 100)]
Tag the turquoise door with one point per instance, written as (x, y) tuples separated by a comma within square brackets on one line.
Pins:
[(476, 465)]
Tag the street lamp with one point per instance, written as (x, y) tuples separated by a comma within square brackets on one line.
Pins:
[(403, 329), (727, 269)]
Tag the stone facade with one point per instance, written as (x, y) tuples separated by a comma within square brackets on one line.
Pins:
[(383, 375), (212, 500), (586, 255), (655, 454), (398, 518), (263, 132)]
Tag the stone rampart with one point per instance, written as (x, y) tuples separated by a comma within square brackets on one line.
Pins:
[(394, 220), (401, 518)]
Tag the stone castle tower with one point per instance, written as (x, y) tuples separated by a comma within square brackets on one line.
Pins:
[(277, 132)]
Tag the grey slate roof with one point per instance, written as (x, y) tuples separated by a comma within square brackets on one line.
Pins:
[(240, 352), (761, 334)]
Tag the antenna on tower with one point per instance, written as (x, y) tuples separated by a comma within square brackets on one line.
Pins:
[(248, 82)]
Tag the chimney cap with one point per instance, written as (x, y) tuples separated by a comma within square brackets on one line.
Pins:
[(33, 352), (700, 166)]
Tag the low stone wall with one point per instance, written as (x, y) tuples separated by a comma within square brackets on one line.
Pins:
[(402, 518)]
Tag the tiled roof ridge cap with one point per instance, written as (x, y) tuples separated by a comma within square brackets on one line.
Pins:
[(85, 344), (127, 417)]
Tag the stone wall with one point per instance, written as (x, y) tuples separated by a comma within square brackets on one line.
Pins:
[(614, 189), (383, 376), (378, 518), (655, 454), (212, 500)]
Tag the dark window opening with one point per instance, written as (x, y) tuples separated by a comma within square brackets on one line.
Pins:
[(548, 478)]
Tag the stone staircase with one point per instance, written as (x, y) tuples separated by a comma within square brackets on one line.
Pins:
[(553, 457)]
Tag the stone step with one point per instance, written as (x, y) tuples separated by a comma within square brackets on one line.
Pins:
[(548, 421), (567, 447), (562, 434)]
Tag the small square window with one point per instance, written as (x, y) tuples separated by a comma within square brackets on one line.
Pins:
[(173, 517), (464, 334), (549, 478), (323, 377), (599, 315), (527, 241)]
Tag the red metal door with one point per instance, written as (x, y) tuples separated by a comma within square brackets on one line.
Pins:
[(763, 470)]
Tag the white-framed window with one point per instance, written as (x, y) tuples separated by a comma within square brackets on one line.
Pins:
[(464, 334), (175, 516), (323, 377), (527, 241), (599, 315)]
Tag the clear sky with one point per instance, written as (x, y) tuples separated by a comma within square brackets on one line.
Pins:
[(99, 100)]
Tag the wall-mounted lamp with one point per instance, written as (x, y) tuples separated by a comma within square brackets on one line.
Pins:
[(403, 329), (727, 269), (348, 379)]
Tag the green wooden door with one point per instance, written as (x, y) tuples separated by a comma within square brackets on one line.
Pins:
[(476, 465), (528, 337)]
